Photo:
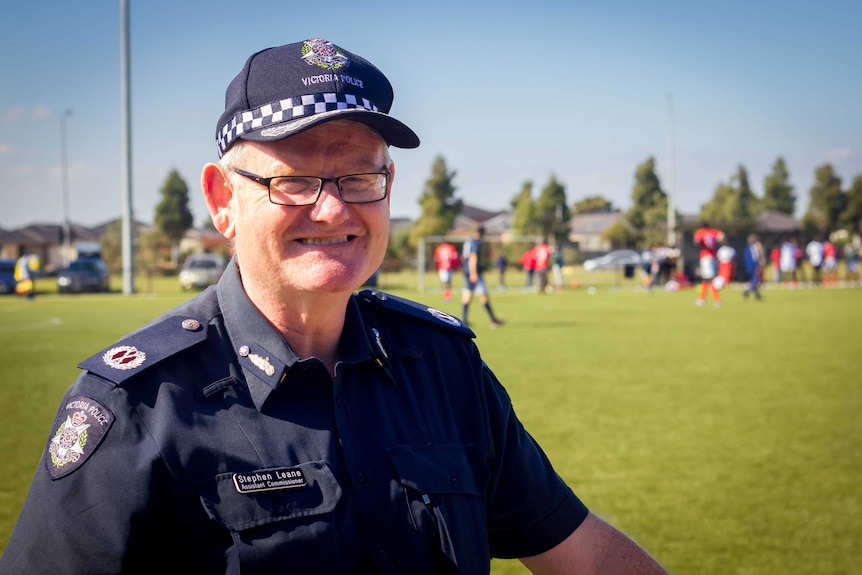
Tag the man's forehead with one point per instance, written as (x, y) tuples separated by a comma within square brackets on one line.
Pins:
[(352, 145)]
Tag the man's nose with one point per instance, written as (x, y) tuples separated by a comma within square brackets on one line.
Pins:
[(329, 202)]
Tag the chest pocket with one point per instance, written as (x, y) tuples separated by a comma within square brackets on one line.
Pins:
[(444, 487), (271, 526)]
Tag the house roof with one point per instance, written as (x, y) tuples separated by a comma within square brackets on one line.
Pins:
[(478, 215), (595, 223), (777, 222)]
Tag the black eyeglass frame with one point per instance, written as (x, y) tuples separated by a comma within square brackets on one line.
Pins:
[(322, 182)]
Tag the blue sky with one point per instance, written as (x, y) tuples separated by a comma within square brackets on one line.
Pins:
[(506, 92)]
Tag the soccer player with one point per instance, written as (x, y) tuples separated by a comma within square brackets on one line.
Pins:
[(708, 239)]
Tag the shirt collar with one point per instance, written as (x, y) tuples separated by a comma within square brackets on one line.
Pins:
[(266, 359)]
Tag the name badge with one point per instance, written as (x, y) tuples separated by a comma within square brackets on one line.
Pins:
[(269, 479)]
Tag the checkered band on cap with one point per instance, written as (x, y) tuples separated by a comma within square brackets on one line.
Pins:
[(286, 110)]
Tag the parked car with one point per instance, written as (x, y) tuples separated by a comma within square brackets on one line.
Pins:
[(7, 276), (613, 260), (201, 270), (84, 275)]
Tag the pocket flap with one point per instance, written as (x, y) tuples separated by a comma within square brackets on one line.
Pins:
[(243, 500), (440, 468)]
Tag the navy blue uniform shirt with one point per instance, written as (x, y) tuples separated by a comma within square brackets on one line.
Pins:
[(201, 444)]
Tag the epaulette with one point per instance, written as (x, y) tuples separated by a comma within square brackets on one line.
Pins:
[(416, 310), (146, 347)]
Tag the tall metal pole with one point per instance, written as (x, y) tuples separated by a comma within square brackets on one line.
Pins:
[(671, 210), (64, 166), (125, 95)]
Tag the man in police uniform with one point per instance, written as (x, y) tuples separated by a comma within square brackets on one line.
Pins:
[(279, 422)]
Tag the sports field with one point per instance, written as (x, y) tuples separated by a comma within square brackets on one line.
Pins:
[(725, 441)]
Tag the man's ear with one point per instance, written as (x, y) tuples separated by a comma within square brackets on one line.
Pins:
[(391, 169), (218, 193)]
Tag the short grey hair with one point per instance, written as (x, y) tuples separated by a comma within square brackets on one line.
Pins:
[(234, 157)]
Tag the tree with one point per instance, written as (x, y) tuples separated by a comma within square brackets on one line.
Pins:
[(552, 212), (173, 217), (620, 234), (748, 204), (852, 216), (593, 205), (524, 212), (732, 201), (777, 191), (150, 248), (827, 202), (110, 245), (648, 213), (439, 205)]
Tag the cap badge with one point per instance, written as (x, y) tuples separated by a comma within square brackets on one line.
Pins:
[(323, 53), (124, 357)]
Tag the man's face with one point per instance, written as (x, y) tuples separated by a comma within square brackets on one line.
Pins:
[(330, 246)]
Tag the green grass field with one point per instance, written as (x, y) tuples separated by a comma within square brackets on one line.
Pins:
[(725, 441)]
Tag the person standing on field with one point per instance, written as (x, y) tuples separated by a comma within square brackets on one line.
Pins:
[(830, 263), (708, 239), (814, 251), (753, 259), (726, 257), (542, 254), (474, 279), (787, 262), (447, 261)]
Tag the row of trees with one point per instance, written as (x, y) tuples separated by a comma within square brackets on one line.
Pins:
[(830, 207)]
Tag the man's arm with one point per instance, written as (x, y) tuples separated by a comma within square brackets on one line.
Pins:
[(594, 547)]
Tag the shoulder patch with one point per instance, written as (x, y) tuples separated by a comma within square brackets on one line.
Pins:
[(417, 310), (146, 347), (81, 425)]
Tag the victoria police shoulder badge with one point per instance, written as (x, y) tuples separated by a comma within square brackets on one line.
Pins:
[(80, 426)]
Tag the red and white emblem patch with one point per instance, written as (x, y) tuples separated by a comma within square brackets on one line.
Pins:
[(445, 317), (124, 357)]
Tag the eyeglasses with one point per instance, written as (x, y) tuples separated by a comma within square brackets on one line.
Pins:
[(305, 190)]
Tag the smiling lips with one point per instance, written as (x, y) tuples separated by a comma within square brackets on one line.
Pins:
[(325, 241)]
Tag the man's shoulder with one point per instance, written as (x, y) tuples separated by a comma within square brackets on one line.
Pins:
[(409, 310), (172, 333)]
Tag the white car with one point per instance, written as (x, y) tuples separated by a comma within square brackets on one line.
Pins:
[(201, 270), (614, 260)]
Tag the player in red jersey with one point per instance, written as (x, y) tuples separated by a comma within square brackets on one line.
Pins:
[(830, 263), (447, 260), (708, 240)]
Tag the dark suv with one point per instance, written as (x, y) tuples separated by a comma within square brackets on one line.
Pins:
[(84, 275), (7, 276)]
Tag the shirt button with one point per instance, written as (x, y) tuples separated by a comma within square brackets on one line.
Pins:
[(339, 402), (382, 555), (361, 477), (454, 482)]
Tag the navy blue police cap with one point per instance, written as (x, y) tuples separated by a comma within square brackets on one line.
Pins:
[(284, 90)]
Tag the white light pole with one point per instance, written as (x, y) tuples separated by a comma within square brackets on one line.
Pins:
[(671, 211), (67, 218), (128, 220)]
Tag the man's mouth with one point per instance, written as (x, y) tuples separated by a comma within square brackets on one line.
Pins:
[(324, 241)]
